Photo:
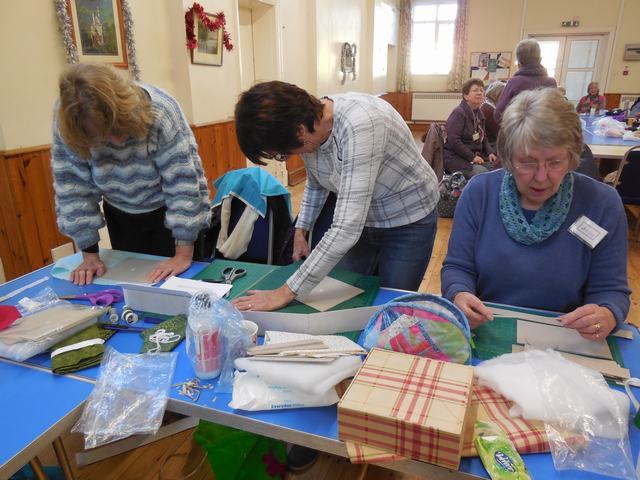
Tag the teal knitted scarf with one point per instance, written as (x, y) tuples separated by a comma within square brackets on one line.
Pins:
[(545, 222)]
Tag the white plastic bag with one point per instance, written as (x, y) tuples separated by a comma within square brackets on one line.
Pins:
[(253, 394), (129, 397), (586, 421), (609, 127)]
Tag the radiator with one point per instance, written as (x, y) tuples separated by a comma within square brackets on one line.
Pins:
[(433, 105)]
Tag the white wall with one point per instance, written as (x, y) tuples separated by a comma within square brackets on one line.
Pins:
[(298, 40)]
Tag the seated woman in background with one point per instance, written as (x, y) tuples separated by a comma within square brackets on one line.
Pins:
[(492, 95), (511, 241), (592, 99), (467, 149)]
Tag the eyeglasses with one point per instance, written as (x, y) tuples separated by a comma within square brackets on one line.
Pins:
[(529, 168), (278, 157)]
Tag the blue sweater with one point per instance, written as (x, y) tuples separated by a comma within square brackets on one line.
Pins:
[(560, 273), (138, 176)]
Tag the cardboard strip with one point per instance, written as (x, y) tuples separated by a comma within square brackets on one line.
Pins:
[(561, 339)]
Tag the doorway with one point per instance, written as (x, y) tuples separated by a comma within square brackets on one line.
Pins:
[(574, 61)]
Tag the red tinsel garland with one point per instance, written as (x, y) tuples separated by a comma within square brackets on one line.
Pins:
[(219, 23)]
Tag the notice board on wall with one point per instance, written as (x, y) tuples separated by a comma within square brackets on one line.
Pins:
[(490, 66)]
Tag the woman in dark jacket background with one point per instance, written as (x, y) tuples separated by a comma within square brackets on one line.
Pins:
[(530, 75), (467, 149)]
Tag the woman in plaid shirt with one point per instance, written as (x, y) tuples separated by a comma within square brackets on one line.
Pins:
[(358, 147)]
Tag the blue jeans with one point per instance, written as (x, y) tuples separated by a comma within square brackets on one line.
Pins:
[(400, 255)]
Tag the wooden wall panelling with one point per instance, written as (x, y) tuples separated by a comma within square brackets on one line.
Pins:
[(612, 100), (295, 169), (401, 101), (11, 246)]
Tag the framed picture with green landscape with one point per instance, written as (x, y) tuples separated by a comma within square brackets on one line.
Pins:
[(209, 48), (98, 31)]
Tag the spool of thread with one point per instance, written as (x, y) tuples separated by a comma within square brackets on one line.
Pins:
[(113, 315), (128, 315)]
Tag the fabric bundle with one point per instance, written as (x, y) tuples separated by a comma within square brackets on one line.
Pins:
[(80, 351)]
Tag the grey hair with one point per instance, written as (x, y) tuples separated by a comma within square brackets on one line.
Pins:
[(528, 52), (538, 119), (591, 84), (494, 90)]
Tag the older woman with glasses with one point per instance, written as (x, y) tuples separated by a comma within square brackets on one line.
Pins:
[(358, 147), (536, 233)]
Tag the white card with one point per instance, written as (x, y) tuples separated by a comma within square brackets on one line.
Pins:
[(193, 286), (587, 231), (329, 293)]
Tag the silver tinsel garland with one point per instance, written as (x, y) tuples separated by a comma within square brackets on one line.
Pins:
[(70, 46)]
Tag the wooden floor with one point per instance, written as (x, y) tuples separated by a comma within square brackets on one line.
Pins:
[(146, 462)]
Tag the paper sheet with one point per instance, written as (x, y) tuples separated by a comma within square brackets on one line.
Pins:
[(329, 293), (131, 270), (337, 344), (193, 286), (561, 339)]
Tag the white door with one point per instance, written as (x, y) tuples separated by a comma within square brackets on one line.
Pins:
[(574, 61)]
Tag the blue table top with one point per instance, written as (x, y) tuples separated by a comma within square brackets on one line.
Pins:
[(321, 422), (590, 138)]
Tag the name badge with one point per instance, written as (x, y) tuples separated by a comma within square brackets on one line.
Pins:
[(476, 137), (587, 231)]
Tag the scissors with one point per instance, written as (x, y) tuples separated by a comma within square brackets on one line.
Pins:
[(100, 299), (229, 274)]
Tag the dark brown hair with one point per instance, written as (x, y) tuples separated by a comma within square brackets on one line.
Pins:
[(268, 117), (466, 86)]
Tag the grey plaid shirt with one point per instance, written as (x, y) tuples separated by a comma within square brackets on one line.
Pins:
[(372, 163)]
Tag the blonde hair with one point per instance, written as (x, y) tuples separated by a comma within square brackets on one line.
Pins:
[(96, 102), (538, 119)]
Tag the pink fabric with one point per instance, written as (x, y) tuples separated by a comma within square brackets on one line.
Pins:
[(8, 315)]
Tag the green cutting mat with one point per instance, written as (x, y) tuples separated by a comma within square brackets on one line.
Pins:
[(255, 273), (369, 284), (496, 337)]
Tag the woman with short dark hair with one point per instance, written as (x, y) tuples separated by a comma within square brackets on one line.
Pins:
[(467, 148), (358, 147), (536, 233)]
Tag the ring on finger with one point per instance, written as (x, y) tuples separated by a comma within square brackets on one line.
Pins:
[(597, 327)]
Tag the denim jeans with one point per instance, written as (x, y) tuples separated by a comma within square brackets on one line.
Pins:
[(400, 255)]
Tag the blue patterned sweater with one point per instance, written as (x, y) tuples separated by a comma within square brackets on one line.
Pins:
[(137, 176)]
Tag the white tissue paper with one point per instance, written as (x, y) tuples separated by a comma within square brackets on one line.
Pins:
[(312, 378), (253, 394)]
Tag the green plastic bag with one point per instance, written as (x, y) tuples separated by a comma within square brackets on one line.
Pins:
[(237, 455)]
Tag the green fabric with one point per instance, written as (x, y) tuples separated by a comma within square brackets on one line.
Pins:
[(369, 284), (255, 272), (176, 325), (237, 455), (82, 358)]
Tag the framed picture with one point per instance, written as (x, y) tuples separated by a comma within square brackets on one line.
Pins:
[(209, 49), (98, 32), (490, 66)]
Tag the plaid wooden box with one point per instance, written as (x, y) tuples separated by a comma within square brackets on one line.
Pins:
[(409, 406)]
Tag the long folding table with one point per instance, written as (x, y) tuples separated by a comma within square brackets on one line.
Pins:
[(36, 406)]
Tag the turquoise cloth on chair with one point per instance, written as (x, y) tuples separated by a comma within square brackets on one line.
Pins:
[(251, 185)]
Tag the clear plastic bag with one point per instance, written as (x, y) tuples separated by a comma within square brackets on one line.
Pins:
[(215, 338), (129, 397), (45, 298), (587, 422)]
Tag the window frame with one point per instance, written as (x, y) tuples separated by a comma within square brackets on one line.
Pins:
[(438, 23)]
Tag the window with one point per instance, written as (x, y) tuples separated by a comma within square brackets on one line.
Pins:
[(432, 37)]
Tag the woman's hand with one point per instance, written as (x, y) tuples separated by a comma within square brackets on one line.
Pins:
[(478, 160), (473, 309), (300, 245), (592, 321), (173, 266), (493, 159), (91, 266), (265, 300)]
